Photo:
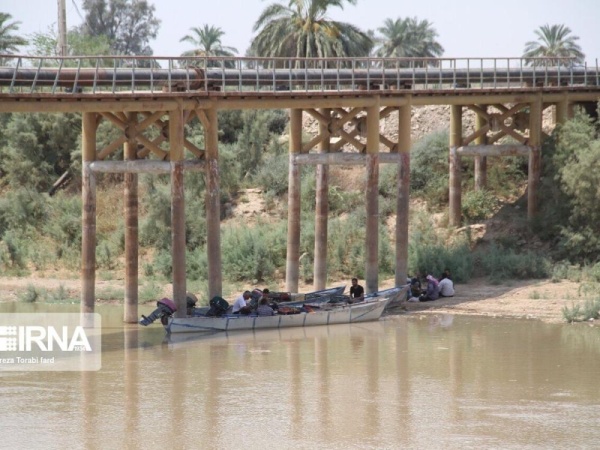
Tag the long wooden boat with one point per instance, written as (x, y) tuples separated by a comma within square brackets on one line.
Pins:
[(365, 311)]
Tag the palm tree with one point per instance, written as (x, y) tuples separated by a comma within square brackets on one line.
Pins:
[(553, 42), (207, 42), (302, 30), (9, 42), (408, 38)]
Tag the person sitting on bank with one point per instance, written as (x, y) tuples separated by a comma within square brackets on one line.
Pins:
[(263, 308), (446, 287), (415, 286), (357, 292), (241, 302), (433, 290)]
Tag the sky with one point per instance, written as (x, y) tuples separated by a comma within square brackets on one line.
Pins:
[(466, 28)]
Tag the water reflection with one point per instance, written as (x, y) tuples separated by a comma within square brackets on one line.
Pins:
[(427, 381)]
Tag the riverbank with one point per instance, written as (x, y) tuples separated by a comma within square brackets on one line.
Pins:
[(529, 299)]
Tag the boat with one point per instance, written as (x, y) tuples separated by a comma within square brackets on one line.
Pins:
[(396, 295), (281, 298), (369, 309)]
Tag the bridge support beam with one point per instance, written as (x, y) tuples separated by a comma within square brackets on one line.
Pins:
[(213, 204), (535, 157), (402, 206), (480, 160), (372, 200), (563, 111), (177, 210), (130, 312), (454, 160), (322, 207), (88, 196), (293, 235)]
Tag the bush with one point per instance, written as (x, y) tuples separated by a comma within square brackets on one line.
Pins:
[(502, 264), (429, 166), (478, 205), (433, 252), (253, 253)]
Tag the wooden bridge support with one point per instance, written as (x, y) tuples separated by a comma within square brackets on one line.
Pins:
[(293, 233), (88, 197), (454, 161), (480, 160), (402, 205), (535, 156), (130, 311), (372, 200), (177, 210), (213, 203), (322, 207)]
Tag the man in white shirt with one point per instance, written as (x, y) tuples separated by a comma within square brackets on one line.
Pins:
[(240, 302), (446, 287)]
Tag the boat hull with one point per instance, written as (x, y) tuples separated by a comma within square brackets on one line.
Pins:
[(361, 312)]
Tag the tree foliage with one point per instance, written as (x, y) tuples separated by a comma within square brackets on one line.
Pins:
[(38, 148), (301, 29), (9, 40), (579, 177), (78, 44), (207, 42), (129, 25), (554, 41), (408, 37)]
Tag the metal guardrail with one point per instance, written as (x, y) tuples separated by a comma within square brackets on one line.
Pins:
[(137, 75)]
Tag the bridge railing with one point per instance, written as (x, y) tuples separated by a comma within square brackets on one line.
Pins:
[(135, 75)]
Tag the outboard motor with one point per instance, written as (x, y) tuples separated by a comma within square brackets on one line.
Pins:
[(165, 308)]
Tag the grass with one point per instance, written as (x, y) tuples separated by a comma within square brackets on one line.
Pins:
[(590, 310)]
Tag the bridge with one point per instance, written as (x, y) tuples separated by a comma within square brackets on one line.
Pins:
[(150, 99)]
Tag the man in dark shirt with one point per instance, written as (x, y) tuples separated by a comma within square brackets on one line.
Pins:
[(356, 290)]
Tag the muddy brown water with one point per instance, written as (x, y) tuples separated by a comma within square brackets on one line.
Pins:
[(435, 381)]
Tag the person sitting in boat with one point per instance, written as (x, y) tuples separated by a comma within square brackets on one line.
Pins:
[(433, 290), (446, 287), (264, 309), (357, 292), (241, 303)]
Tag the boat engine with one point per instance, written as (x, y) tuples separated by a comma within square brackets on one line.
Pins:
[(165, 308)]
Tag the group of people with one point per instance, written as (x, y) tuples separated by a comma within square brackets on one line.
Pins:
[(245, 304), (434, 288)]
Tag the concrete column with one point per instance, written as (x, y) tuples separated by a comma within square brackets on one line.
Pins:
[(372, 201), (454, 160), (130, 313), (535, 157), (480, 161), (292, 272), (88, 213), (177, 210), (402, 207), (563, 111), (213, 205), (322, 209)]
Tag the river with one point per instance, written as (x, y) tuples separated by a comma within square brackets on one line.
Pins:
[(418, 381)]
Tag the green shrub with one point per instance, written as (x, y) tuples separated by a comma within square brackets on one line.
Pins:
[(502, 264), (31, 295), (431, 251), (253, 253), (577, 313), (478, 205)]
